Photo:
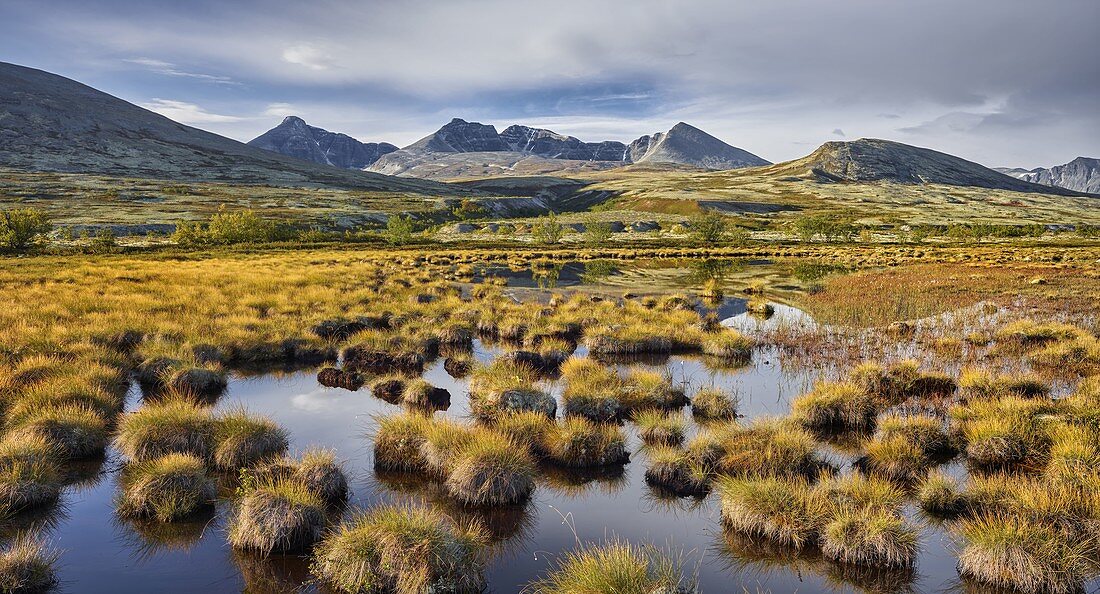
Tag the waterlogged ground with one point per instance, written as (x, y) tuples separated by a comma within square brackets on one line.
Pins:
[(103, 554)]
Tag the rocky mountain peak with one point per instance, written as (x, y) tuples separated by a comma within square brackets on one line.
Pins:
[(295, 138), (685, 144)]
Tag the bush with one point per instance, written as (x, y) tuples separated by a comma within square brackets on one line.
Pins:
[(596, 233), (231, 227), (547, 229), (709, 227), (20, 226), (399, 230)]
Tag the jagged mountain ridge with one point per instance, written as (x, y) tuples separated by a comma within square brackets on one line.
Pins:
[(1081, 174), (52, 123), (874, 160), (681, 145), (295, 138)]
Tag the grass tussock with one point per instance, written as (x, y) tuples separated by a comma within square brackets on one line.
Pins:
[(27, 564), (872, 537), (315, 468), (527, 429), (786, 512), (768, 447), (1010, 551), (507, 386), (592, 391), (728, 344), (835, 406), (242, 439), (657, 427), (174, 425), (166, 489), (984, 384), (901, 381), (677, 471), (491, 469), (613, 568), (397, 442), (713, 404), (941, 496), (76, 431), (646, 389), (579, 443), (406, 550), (29, 476), (277, 516)]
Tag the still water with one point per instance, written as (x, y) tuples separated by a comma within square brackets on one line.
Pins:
[(104, 554)]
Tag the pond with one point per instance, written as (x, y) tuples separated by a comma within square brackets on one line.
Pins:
[(104, 554)]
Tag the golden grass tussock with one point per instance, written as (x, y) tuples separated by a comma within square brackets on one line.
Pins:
[(165, 489), (397, 442), (788, 512), (576, 442), (315, 468), (677, 471), (769, 447), (869, 537), (648, 389), (29, 474), (507, 386), (28, 564), (835, 406), (491, 469), (728, 344), (280, 515), (75, 430), (1010, 551), (174, 425), (940, 495), (657, 427), (528, 429), (615, 567), (242, 439), (405, 550), (714, 404), (592, 391)]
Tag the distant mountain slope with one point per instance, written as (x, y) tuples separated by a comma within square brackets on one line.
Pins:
[(295, 138), (51, 123), (550, 144), (453, 166), (1081, 174), (869, 160), (684, 144), (460, 136), (462, 146)]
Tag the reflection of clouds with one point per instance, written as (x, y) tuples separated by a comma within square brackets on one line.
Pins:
[(313, 401)]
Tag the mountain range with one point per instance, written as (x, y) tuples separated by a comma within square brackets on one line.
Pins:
[(460, 148), (1081, 174), (52, 123)]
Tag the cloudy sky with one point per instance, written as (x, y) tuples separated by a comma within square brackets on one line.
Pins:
[(1001, 82)]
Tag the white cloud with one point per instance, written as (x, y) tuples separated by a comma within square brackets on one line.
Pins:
[(280, 110), (308, 55), (169, 69), (188, 113)]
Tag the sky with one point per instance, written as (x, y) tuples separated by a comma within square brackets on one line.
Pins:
[(1000, 82)]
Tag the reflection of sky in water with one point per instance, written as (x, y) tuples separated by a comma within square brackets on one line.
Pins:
[(103, 555)]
